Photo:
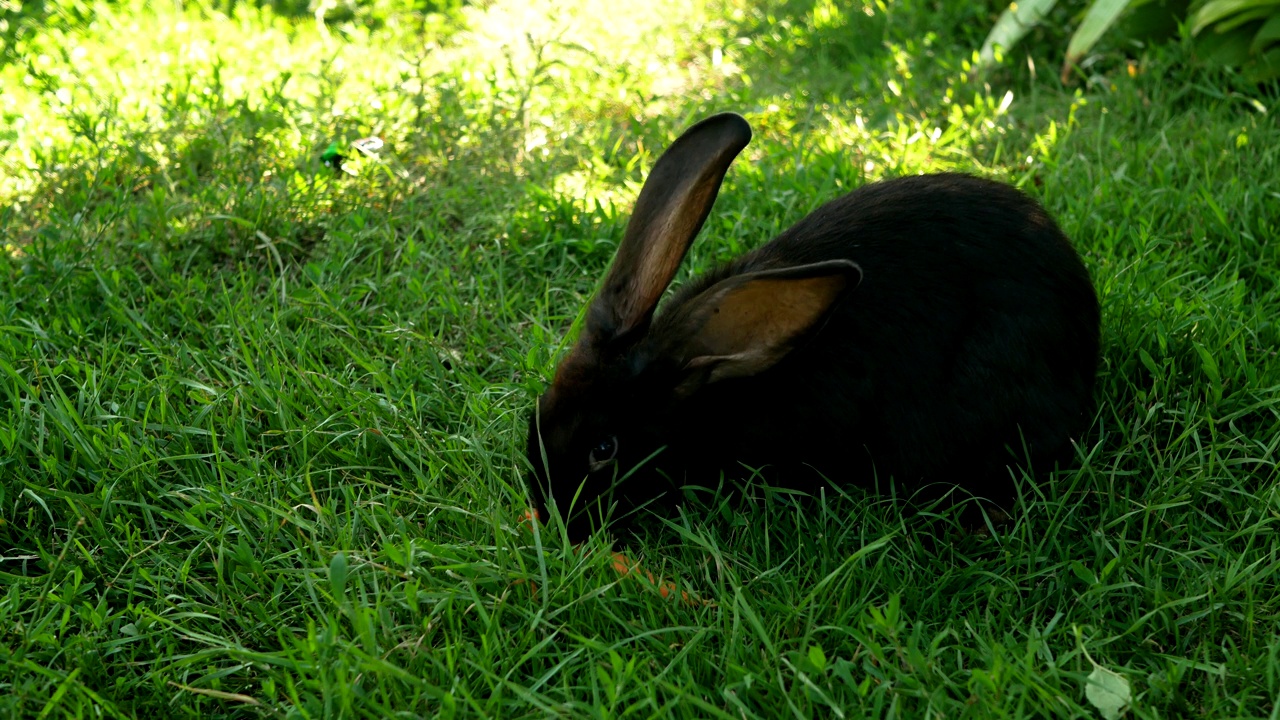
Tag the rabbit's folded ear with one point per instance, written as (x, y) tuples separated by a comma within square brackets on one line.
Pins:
[(745, 324), (671, 208)]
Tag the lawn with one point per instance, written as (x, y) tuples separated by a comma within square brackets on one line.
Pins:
[(262, 420)]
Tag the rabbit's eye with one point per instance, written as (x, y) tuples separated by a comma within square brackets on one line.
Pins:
[(603, 453)]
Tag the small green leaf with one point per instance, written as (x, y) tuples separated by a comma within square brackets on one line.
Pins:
[(1084, 573), (331, 158), (394, 554), (1147, 362), (817, 657), (338, 575), (1108, 692), (411, 595), (841, 668), (1210, 367)]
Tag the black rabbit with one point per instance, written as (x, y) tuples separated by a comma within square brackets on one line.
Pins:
[(938, 328)]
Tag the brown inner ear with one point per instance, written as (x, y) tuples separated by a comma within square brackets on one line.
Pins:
[(660, 244), (669, 212), (743, 326), (767, 312)]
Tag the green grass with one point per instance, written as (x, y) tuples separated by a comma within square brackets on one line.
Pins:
[(261, 424)]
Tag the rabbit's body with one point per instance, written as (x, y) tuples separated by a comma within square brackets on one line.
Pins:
[(930, 349), (920, 328)]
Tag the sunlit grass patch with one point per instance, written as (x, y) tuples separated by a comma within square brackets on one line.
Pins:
[(261, 421)]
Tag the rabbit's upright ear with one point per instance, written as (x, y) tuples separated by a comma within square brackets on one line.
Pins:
[(671, 208), (745, 324)]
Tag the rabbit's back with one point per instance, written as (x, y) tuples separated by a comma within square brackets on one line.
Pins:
[(974, 328)]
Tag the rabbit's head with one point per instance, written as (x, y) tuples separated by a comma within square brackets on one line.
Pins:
[(618, 393)]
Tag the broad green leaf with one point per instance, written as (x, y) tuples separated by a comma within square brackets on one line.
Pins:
[(1215, 10), (1230, 49), (1108, 692), (1244, 18), (1101, 15), (1014, 23), (1267, 34)]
